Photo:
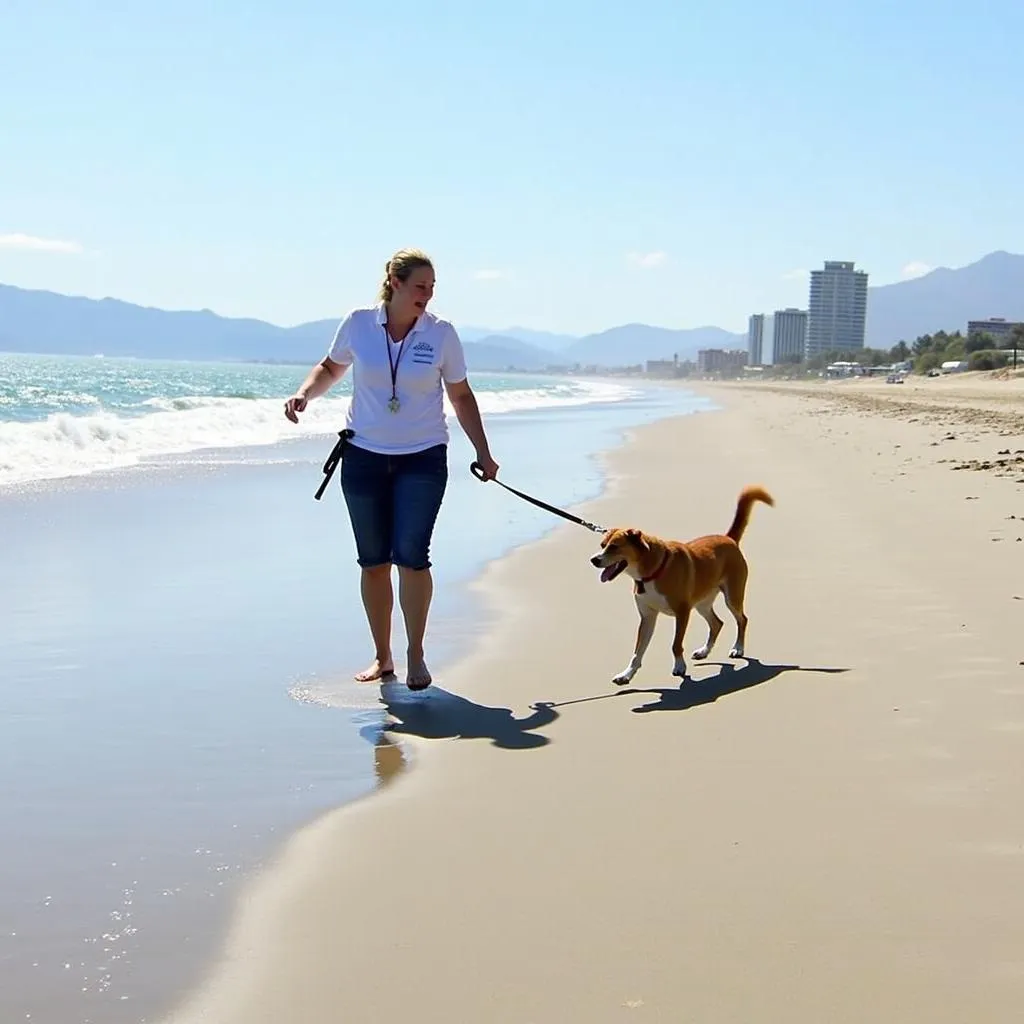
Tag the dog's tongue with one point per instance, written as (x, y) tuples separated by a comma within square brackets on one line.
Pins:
[(610, 572)]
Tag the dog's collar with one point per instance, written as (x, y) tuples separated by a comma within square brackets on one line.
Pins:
[(654, 575)]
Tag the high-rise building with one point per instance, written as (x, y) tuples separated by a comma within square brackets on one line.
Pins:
[(755, 339), (787, 335), (838, 308), (780, 337)]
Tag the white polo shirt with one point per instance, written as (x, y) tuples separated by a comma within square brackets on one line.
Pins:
[(431, 352)]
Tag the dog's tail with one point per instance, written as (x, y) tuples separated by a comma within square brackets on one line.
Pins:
[(748, 496)]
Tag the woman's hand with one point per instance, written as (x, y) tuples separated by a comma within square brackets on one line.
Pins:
[(296, 404), (321, 378), (487, 465)]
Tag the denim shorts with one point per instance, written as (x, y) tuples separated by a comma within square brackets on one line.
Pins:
[(393, 501)]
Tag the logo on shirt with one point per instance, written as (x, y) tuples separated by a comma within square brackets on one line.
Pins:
[(423, 352)]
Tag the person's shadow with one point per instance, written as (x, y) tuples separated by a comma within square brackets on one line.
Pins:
[(730, 678), (437, 714)]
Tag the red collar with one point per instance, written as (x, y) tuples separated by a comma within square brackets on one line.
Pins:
[(654, 575), (657, 572)]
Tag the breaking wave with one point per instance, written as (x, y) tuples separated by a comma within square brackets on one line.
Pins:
[(74, 444)]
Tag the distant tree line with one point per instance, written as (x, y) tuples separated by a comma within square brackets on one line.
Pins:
[(927, 352), (981, 350)]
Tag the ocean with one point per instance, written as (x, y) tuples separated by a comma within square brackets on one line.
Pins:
[(62, 416), (179, 625)]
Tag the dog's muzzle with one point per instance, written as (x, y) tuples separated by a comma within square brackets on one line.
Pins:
[(609, 570)]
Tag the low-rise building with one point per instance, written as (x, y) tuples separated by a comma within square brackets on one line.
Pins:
[(997, 326), (718, 360)]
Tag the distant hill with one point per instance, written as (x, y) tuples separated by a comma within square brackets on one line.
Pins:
[(500, 351), (39, 321), (636, 343), (539, 339), (946, 299)]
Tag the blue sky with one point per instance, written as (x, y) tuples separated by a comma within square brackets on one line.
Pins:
[(570, 166)]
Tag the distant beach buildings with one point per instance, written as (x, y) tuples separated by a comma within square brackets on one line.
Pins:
[(755, 340), (834, 321), (833, 325), (996, 327), (838, 309), (779, 337), (709, 360), (717, 360)]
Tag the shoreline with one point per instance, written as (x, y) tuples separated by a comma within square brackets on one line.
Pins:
[(459, 810), (400, 752)]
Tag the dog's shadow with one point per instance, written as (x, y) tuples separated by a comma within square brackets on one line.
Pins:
[(438, 714), (730, 678)]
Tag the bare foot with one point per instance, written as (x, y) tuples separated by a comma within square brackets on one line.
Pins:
[(380, 668), (418, 677)]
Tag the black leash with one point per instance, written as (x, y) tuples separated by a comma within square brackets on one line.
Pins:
[(338, 453), (478, 471), (333, 460)]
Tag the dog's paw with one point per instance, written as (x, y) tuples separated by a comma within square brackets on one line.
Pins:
[(623, 677), (679, 669), (701, 653), (737, 652)]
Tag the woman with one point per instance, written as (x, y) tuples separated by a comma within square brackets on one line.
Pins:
[(395, 468)]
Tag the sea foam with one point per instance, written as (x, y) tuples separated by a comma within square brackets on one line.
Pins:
[(66, 444)]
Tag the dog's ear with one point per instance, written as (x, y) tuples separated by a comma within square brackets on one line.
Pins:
[(636, 538)]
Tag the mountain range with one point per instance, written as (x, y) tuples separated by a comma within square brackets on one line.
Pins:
[(46, 322), (945, 299)]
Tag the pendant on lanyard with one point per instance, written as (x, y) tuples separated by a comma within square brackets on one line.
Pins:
[(393, 403)]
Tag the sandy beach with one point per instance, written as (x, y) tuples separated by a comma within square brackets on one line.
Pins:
[(832, 830)]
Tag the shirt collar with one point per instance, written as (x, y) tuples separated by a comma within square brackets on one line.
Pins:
[(422, 321)]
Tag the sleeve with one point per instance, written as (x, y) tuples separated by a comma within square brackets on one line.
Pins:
[(453, 358), (340, 350)]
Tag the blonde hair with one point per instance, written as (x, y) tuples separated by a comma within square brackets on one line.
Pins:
[(401, 265)]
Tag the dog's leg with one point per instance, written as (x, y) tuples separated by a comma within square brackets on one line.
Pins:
[(735, 590), (644, 632), (707, 611), (682, 620)]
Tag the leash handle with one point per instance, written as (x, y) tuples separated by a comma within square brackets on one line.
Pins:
[(337, 454), (478, 471)]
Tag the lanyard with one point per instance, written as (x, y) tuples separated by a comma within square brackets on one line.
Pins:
[(393, 403)]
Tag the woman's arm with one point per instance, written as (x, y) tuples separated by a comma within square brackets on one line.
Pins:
[(322, 378), (460, 394), (318, 382)]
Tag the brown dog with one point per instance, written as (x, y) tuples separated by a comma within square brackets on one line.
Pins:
[(672, 578)]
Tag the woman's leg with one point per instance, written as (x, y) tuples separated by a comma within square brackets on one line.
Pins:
[(415, 590), (420, 484), (378, 603), (366, 483)]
